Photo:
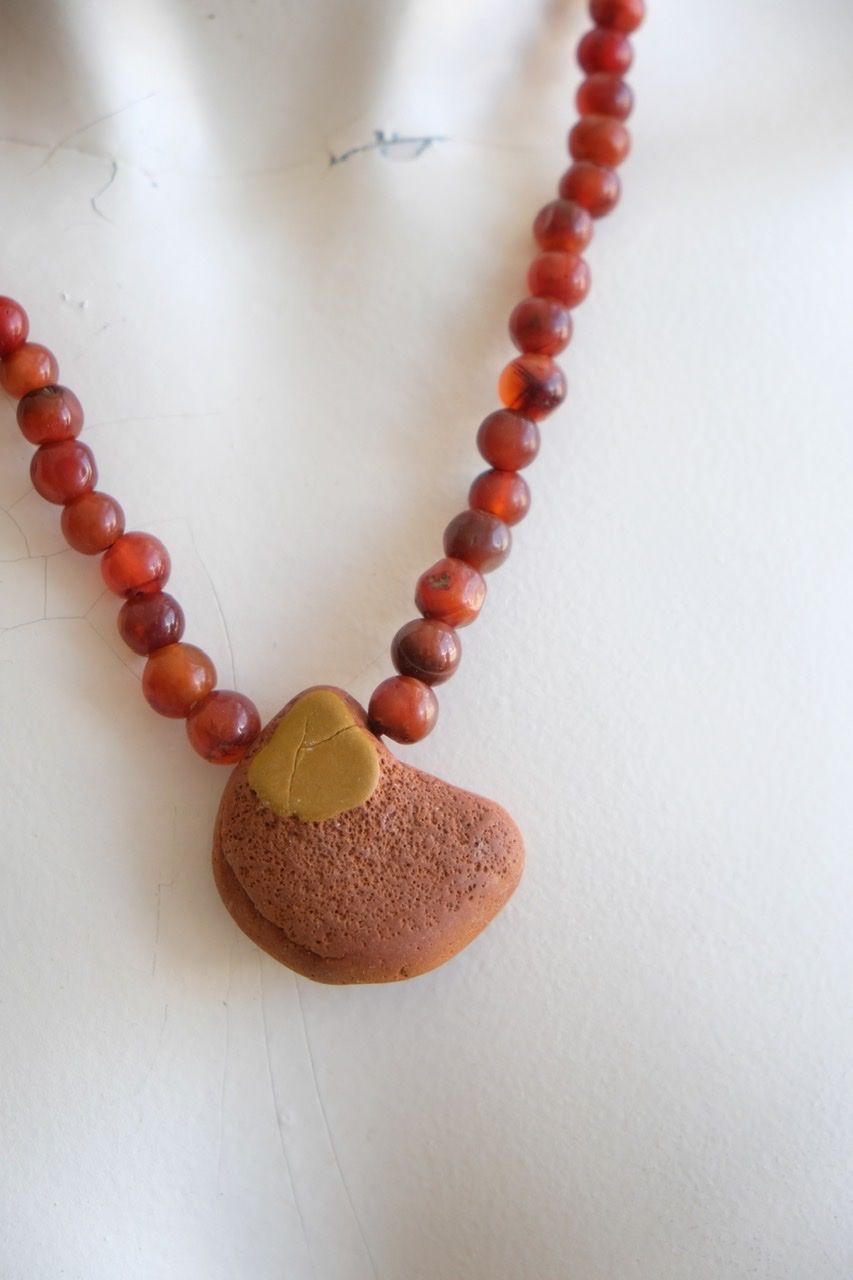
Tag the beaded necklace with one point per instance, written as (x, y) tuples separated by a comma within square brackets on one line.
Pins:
[(330, 853)]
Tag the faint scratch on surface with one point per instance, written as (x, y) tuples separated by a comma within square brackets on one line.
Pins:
[(159, 1045), (393, 147), (331, 1139), (93, 201), (219, 608), (109, 115), (226, 1002)]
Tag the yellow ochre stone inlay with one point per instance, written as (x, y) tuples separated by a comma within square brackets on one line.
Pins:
[(318, 763)]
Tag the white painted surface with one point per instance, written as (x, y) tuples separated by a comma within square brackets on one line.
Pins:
[(642, 1070)]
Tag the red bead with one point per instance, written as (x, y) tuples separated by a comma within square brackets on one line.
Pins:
[(503, 493), (14, 326), (223, 726), (533, 385), (62, 471), (602, 94), (176, 677), (592, 185), (452, 591), (92, 522), (427, 649), (600, 139), (136, 562), (618, 15), (564, 276), (603, 50), (563, 225), (29, 367), (146, 623), (403, 708), (541, 325), (49, 414), (508, 441), (478, 538)]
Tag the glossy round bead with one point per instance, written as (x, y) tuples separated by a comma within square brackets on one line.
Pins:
[(14, 326), (29, 367), (136, 562), (602, 94), (146, 623), (564, 276), (427, 649), (618, 15), (507, 440), (62, 471), (452, 591), (49, 414), (403, 708), (541, 326), (176, 677), (605, 50), (223, 726), (478, 538), (600, 139), (592, 185), (92, 522), (533, 385), (563, 225), (503, 493)]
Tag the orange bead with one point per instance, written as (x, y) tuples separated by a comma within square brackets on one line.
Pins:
[(427, 649), (618, 15), (503, 493), (403, 708), (92, 522), (592, 185), (29, 367), (223, 726), (479, 538), (176, 677), (600, 139), (564, 276), (50, 414), (563, 225), (14, 326), (605, 50), (533, 385), (507, 440), (62, 471), (541, 325), (452, 591), (136, 562), (602, 94)]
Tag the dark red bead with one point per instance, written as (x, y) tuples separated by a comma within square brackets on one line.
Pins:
[(604, 50), (223, 726), (49, 414), (452, 591), (599, 139), (136, 562), (62, 471), (592, 185), (618, 15), (92, 522), (563, 225), (403, 709), (541, 325), (27, 368), (479, 538), (507, 440), (564, 276), (428, 649), (602, 94), (14, 326), (146, 623), (503, 493), (532, 385)]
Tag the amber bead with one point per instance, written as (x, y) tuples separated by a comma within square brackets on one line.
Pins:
[(92, 522), (563, 225), (507, 440), (605, 50), (592, 185), (478, 538), (428, 649), (62, 471), (599, 139), (146, 623), (618, 15), (176, 677), (136, 562), (50, 414), (541, 326), (503, 493), (14, 326), (452, 591), (29, 367), (564, 276), (602, 94), (223, 726), (403, 708), (533, 385)]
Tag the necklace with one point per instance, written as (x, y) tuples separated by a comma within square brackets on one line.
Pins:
[(341, 861)]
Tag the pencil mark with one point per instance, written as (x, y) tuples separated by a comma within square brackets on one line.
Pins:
[(85, 128), (93, 200), (393, 147)]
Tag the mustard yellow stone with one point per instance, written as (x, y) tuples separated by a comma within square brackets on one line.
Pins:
[(318, 763)]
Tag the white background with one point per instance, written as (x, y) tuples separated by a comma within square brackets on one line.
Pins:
[(642, 1070)]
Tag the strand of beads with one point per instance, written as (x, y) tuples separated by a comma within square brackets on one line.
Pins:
[(427, 650), (178, 679)]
